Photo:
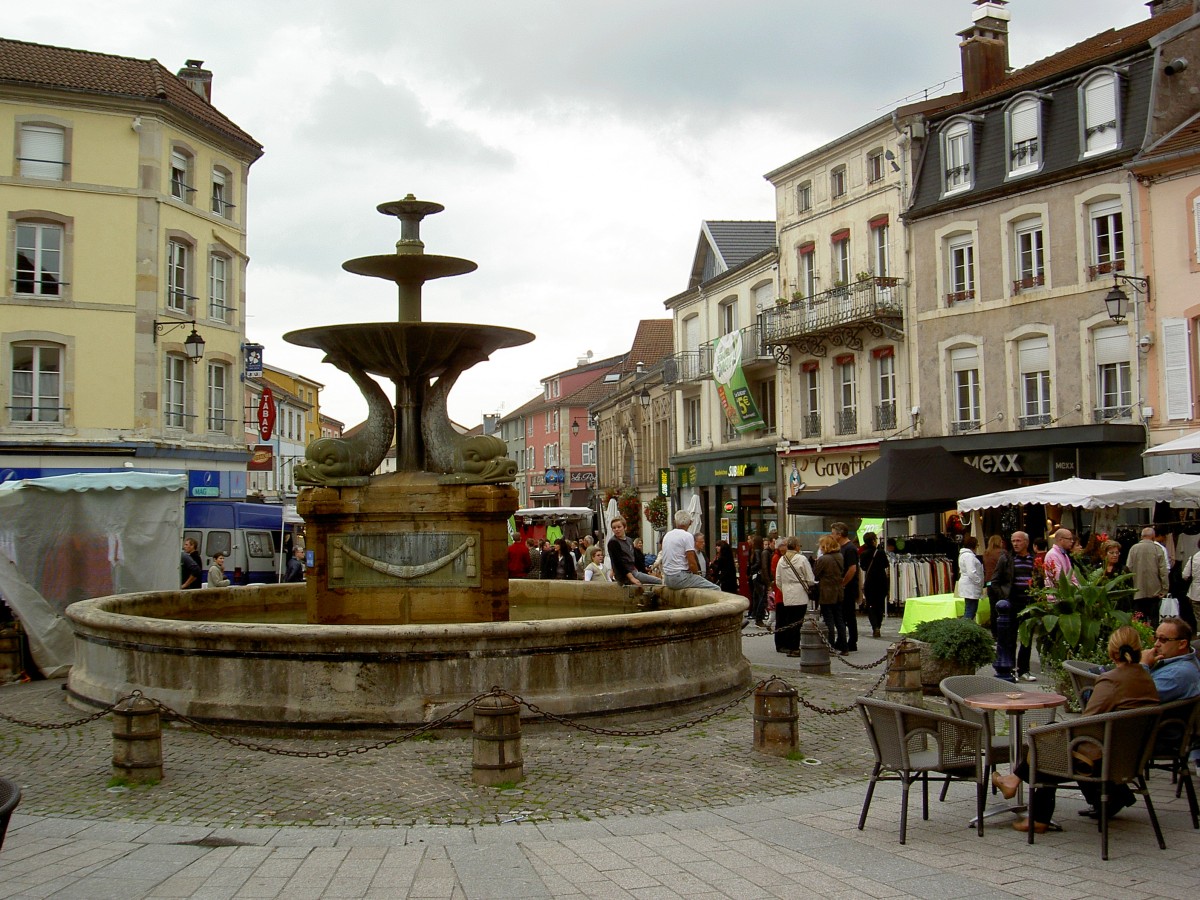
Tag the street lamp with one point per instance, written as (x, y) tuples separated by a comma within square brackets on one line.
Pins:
[(575, 428), (193, 344), (644, 398), (1117, 300)]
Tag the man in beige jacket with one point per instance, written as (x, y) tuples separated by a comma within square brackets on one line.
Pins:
[(1148, 564)]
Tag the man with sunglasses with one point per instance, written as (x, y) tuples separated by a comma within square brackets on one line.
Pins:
[(1172, 661)]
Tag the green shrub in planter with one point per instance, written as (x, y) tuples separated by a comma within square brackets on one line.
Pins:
[(959, 641)]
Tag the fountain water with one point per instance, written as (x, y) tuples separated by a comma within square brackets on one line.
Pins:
[(407, 598)]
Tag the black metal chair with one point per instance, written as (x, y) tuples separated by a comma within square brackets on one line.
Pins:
[(1178, 732), (913, 742), (1109, 747), (10, 796)]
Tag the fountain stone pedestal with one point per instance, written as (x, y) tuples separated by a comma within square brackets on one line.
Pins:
[(407, 550)]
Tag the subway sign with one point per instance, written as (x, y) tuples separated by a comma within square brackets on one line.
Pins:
[(664, 482)]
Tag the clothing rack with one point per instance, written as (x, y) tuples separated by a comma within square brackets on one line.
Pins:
[(918, 575)]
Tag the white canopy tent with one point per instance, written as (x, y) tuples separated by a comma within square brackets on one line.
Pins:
[(1189, 443), (1090, 493)]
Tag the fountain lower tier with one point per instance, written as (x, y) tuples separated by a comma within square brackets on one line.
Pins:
[(361, 676)]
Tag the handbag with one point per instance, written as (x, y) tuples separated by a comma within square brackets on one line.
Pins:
[(1169, 606)]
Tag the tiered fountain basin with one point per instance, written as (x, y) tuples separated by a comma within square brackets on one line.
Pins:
[(572, 648)]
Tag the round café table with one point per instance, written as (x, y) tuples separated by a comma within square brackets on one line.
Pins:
[(1016, 703)]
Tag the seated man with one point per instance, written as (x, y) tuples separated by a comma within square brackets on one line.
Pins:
[(1176, 672), (680, 565)]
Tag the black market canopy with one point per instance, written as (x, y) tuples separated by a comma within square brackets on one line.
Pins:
[(904, 481)]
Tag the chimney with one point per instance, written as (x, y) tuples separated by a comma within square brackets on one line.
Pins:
[(1158, 7), (984, 48), (198, 78)]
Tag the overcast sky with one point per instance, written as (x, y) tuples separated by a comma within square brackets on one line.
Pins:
[(576, 146)]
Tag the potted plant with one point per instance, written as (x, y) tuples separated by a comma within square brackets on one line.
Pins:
[(952, 647), (1073, 621)]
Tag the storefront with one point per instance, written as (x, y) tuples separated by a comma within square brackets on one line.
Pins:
[(737, 493)]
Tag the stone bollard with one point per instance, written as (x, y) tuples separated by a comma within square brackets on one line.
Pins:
[(10, 653), (814, 652), (137, 741), (496, 753), (776, 718), (904, 674)]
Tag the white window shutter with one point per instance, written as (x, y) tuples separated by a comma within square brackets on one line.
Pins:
[(1196, 216), (1111, 344), (1034, 355), (1177, 375)]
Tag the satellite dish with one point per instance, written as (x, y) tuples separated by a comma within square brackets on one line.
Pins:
[(589, 354)]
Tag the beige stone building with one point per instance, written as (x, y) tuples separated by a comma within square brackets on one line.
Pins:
[(1024, 211), (122, 313)]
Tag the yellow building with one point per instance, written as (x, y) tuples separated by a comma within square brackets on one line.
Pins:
[(122, 313)]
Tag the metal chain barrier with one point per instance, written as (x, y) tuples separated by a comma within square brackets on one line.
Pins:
[(616, 732), (825, 640), (47, 726), (321, 754), (841, 711)]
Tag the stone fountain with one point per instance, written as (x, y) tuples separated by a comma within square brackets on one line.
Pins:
[(426, 543), (406, 609)]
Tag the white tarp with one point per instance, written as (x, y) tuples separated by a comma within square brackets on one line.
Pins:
[(1090, 493), (1189, 443), (72, 537)]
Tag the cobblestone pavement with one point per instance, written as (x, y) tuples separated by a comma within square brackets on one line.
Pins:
[(694, 812)]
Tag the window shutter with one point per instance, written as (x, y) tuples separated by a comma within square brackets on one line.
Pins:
[(1034, 355), (1196, 216), (1111, 345), (1101, 100), (964, 358), (1177, 374), (41, 152), (1024, 122)]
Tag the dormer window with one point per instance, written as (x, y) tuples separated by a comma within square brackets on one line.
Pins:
[(1100, 113), (1024, 121), (958, 156)]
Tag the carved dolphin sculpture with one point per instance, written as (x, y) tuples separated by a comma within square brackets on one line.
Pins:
[(327, 459), (481, 459)]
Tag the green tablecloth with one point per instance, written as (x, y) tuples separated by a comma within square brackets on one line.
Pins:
[(939, 606)]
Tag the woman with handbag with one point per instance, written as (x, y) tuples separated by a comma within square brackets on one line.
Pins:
[(794, 578)]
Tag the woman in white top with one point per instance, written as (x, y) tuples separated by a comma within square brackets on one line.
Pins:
[(594, 570), (970, 576), (794, 578)]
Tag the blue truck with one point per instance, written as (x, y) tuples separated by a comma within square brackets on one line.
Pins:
[(256, 538)]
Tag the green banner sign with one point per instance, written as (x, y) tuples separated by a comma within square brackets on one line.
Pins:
[(735, 395)]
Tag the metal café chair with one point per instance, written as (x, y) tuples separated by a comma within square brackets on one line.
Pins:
[(1064, 751), (911, 743), (10, 796)]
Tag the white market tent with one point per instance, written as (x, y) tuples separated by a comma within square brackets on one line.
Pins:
[(1090, 493), (1189, 443)]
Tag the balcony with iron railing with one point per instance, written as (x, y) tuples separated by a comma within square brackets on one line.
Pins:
[(836, 317), (696, 365), (845, 421), (1039, 420), (810, 424), (1102, 414)]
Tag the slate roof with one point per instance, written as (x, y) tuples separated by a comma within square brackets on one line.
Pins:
[(726, 245), (1056, 75), (83, 71)]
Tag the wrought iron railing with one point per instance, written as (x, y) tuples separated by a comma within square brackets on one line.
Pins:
[(810, 424), (863, 301), (885, 416), (1102, 414), (1037, 421), (846, 421)]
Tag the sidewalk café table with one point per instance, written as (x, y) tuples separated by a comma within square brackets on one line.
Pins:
[(939, 606), (1016, 704)]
